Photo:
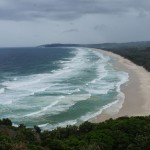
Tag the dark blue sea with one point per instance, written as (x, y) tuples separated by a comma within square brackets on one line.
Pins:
[(52, 87)]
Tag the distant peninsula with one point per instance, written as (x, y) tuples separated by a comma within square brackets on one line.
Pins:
[(140, 44)]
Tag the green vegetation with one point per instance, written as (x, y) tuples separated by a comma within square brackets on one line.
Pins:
[(121, 134), (138, 55)]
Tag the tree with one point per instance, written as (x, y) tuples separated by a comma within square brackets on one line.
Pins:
[(37, 129), (6, 122)]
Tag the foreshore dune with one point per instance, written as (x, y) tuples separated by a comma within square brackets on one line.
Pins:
[(136, 91)]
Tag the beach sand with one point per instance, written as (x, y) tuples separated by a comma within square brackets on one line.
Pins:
[(136, 91)]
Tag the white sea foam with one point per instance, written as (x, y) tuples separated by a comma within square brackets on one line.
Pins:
[(59, 104), (111, 108), (42, 110), (50, 127), (124, 77), (2, 90), (54, 92), (15, 125), (43, 125), (24, 86), (91, 115), (15, 78)]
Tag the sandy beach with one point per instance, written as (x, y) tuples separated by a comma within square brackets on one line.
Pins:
[(136, 92)]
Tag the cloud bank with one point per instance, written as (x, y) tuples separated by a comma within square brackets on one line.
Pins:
[(69, 9)]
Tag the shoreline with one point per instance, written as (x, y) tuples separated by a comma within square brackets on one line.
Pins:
[(136, 91)]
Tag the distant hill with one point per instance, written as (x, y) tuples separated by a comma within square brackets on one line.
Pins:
[(122, 45), (62, 45), (141, 44)]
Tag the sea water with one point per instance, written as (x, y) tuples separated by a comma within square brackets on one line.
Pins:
[(52, 87)]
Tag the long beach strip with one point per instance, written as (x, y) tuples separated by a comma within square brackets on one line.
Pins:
[(136, 91)]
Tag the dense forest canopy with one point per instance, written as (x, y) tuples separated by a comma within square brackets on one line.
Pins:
[(120, 134), (138, 55)]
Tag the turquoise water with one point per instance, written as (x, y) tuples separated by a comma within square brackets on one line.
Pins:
[(53, 87)]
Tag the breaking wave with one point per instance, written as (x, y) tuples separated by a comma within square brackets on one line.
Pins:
[(85, 83)]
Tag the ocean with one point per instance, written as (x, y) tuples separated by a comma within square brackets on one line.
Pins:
[(52, 87)]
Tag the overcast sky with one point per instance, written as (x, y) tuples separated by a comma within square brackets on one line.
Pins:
[(35, 22)]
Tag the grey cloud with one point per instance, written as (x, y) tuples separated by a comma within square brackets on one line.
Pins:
[(71, 30), (100, 27), (68, 9)]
